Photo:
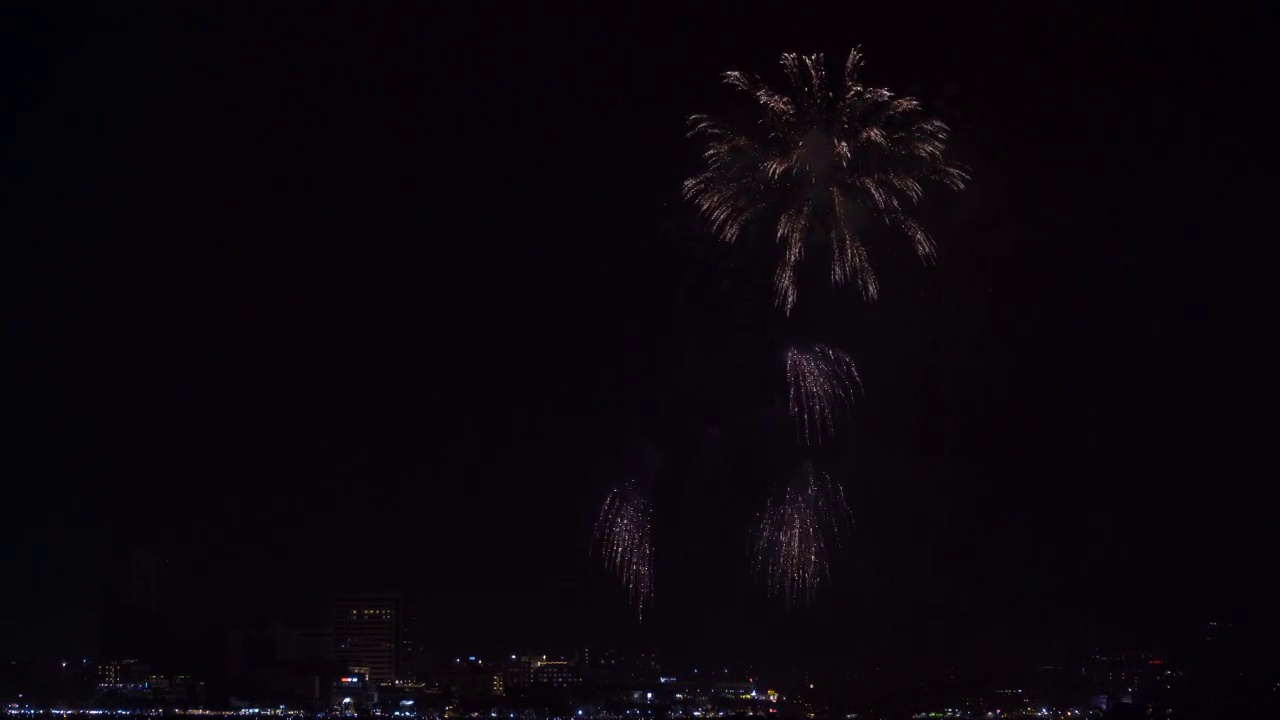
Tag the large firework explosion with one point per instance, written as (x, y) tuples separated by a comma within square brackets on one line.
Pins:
[(819, 161), (622, 533), (821, 380), (794, 534)]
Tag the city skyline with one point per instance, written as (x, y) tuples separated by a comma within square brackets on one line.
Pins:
[(602, 682)]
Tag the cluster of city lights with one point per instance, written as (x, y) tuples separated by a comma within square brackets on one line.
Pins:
[(26, 711)]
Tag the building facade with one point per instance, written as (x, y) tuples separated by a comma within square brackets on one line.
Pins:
[(366, 635), (556, 673)]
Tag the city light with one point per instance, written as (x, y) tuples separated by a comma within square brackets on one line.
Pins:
[(710, 700)]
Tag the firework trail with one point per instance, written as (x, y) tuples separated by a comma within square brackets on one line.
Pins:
[(821, 381), (622, 533), (792, 540), (820, 158)]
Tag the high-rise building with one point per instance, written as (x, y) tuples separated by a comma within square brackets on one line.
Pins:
[(366, 635), (525, 671), (519, 671), (556, 673), (412, 657)]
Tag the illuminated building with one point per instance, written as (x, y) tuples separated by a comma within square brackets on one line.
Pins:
[(519, 671), (352, 693), (471, 678), (590, 657), (366, 634), (123, 674), (556, 673), (109, 673), (529, 670), (1130, 678)]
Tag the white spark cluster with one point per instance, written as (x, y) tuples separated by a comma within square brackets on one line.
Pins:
[(794, 534), (821, 381), (622, 533)]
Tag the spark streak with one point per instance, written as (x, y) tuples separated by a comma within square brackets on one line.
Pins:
[(622, 533), (822, 380)]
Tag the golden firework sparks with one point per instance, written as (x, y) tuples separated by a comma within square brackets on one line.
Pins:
[(815, 155), (622, 534), (794, 535)]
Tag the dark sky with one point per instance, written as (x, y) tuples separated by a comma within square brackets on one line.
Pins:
[(342, 297)]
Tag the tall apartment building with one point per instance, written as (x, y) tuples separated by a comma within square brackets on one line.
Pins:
[(366, 635)]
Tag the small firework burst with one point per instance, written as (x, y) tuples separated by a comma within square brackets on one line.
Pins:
[(822, 156), (622, 533), (795, 533), (821, 380)]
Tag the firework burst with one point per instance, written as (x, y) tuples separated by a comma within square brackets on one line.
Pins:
[(794, 535), (822, 157), (821, 381), (622, 534)]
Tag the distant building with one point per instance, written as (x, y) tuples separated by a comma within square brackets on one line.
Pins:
[(366, 635), (354, 694), (120, 674), (526, 671), (738, 690), (603, 667), (471, 678), (128, 679), (177, 690), (648, 667), (555, 673), (1134, 678), (412, 656), (519, 671)]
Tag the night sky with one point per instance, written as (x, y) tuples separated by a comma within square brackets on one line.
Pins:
[(350, 298)]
